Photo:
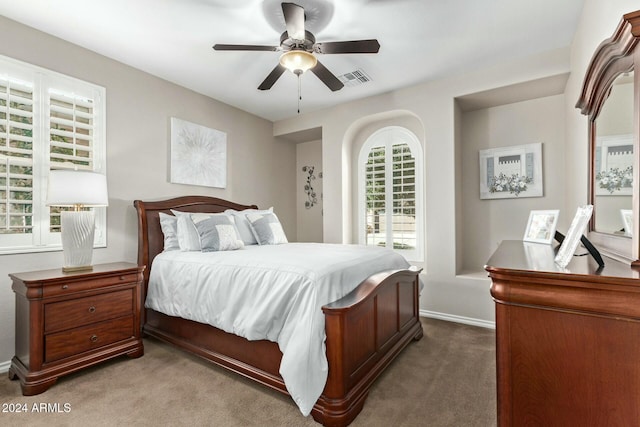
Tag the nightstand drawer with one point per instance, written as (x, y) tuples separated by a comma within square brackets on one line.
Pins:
[(83, 285), (82, 311), (69, 343)]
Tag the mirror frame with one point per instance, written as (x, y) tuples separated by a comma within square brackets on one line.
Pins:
[(613, 57)]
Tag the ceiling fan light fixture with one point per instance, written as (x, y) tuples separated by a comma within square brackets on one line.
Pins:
[(298, 61)]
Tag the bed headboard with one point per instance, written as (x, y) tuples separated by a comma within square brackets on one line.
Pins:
[(150, 237)]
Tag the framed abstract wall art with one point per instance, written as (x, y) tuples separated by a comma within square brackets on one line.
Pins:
[(198, 155), (509, 172)]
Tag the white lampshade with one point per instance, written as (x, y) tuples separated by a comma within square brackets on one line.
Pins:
[(298, 61), (73, 188)]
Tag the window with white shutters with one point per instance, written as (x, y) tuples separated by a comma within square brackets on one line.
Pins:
[(47, 121), (16, 158), (390, 191)]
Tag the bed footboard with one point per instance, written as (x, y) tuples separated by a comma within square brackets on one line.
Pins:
[(365, 331)]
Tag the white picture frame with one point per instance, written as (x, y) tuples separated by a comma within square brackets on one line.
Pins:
[(627, 221), (198, 155), (509, 172), (572, 239), (541, 226)]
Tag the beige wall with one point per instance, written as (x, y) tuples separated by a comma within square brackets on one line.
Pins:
[(260, 169), (309, 220), (485, 223)]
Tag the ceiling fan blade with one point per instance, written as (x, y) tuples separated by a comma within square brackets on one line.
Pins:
[(354, 46), (245, 47), (327, 77), (294, 19), (273, 76)]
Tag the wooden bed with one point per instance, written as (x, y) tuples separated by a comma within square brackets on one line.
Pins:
[(365, 330)]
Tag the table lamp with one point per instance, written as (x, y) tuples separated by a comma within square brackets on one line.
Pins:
[(77, 189)]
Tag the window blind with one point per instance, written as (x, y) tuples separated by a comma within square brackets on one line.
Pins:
[(70, 139), (375, 184), (16, 158), (70, 131), (403, 218)]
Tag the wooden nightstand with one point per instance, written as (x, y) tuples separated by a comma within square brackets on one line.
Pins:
[(68, 321)]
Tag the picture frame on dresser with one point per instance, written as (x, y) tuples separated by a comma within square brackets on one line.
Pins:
[(574, 235), (627, 221), (541, 226)]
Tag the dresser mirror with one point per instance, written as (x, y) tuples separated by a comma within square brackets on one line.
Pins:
[(610, 98), (613, 160)]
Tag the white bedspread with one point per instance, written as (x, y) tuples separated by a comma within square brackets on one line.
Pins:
[(269, 292)]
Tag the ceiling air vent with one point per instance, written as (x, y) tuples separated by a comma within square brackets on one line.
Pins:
[(354, 78)]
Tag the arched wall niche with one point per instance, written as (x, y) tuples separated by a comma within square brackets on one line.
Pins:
[(353, 140)]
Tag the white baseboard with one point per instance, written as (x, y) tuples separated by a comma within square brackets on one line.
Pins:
[(458, 319), (4, 366)]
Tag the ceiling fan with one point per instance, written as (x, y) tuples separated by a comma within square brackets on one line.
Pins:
[(299, 47)]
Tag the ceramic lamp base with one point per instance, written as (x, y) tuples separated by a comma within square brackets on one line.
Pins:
[(77, 239)]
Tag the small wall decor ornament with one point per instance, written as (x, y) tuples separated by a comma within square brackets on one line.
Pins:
[(308, 188), (198, 155), (510, 172)]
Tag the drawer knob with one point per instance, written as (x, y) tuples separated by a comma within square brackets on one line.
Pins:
[(94, 338), (121, 277), (65, 286), (92, 309)]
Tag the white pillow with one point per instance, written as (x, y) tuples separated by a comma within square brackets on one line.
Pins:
[(267, 228), (169, 224), (243, 223), (217, 232)]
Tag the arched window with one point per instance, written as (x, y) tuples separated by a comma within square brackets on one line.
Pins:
[(390, 195)]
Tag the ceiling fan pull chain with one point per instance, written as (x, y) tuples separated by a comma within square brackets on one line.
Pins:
[(299, 92)]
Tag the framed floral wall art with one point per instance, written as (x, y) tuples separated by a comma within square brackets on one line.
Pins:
[(613, 158), (509, 172), (198, 155)]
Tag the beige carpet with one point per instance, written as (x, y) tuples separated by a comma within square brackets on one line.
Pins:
[(445, 379)]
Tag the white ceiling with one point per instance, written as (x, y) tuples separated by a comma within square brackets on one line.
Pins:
[(420, 40)]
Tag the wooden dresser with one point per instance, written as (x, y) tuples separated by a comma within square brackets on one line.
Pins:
[(568, 340), (68, 321)]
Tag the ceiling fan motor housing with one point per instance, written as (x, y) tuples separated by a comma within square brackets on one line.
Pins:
[(287, 43)]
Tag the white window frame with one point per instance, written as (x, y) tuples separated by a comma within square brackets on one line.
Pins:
[(389, 136), (43, 82)]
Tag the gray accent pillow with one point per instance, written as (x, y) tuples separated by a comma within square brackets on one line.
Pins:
[(169, 226), (267, 228), (243, 223), (217, 232)]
